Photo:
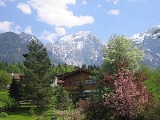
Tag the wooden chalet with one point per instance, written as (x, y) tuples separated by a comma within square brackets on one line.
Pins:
[(71, 80), (16, 76)]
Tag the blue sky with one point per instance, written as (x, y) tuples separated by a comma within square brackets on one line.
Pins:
[(50, 19)]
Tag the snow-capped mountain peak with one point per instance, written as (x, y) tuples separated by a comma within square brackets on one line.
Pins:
[(76, 49), (153, 29), (149, 41), (85, 35), (151, 33), (27, 37)]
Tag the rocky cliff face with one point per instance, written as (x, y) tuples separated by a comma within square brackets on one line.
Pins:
[(13, 46), (149, 41), (77, 49)]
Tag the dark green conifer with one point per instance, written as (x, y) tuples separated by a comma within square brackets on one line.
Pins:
[(37, 80)]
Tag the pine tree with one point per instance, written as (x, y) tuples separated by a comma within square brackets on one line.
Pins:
[(15, 91), (37, 78), (80, 91), (61, 98)]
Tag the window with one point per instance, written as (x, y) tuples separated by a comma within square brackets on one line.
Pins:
[(89, 82), (77, 82)]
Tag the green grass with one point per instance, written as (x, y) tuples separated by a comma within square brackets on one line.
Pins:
[(3, 92), (3, 96), (23, 112), (1, 104), (17, 117), (24, 115)]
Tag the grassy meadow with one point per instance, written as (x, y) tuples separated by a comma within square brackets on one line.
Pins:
[(24, 112)]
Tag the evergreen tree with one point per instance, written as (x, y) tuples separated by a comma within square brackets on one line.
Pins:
[(84, 66), (61, 98), (37, 78), (14, 90), (80, 91), (2, 66)]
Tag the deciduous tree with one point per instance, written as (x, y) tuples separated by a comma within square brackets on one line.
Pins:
[(120, 49), (5, 79), (130, 96)]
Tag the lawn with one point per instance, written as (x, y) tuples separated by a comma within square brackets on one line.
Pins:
[(23, 112), (17, 117), (3, 96)]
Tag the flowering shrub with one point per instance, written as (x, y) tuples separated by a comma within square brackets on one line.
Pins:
[(94, 110), (129, 97)]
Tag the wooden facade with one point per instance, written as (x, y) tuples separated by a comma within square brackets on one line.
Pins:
[(73, 79)]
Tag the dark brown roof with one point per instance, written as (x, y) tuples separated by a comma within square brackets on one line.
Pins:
[(73, 72)]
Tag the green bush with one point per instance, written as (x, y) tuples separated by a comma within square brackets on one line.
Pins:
[(3, 114), (31, 111), (95, 110)]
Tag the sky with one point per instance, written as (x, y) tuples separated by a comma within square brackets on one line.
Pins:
[(50, 19)]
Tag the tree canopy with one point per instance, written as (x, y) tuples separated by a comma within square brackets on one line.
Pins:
[(5, 79), (123, 51)]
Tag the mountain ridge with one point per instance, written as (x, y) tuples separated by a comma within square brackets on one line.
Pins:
[(79, 48), (149, 41), (13, 46)]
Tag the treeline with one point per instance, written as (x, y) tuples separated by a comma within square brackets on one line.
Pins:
[(7, 69), (12, 68), (56, 69)]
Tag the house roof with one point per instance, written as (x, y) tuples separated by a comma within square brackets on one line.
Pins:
[(17, 76), (73, 72)]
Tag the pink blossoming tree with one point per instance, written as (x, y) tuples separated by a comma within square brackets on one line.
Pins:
[(129, 95)]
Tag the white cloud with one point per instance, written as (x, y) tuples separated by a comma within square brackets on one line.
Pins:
[(113, 1), (113, 12), (60, 31), (57, 12), (2, 3), (84, 2), (52, 37), (28, 30), (7, 26), (48, 36), (16, 29), (99, 6), (25, 8)]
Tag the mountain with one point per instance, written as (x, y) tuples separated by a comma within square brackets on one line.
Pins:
[(149, 41), (77, 49), (80, 48), (13, 46)]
